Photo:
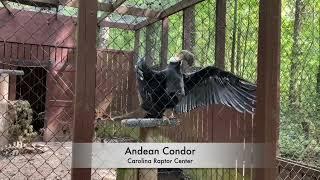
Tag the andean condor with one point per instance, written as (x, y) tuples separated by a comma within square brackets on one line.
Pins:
[(172, 89)]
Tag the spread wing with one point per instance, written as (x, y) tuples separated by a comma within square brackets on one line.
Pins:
[(214, 86)]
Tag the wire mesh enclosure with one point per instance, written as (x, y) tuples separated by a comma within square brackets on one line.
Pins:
[(53, 93)]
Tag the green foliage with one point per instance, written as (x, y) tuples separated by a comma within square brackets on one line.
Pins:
[(120, 39), (19, 119), (296, 141), (175, 34)]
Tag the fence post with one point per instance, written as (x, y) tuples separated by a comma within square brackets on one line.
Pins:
[(267, 113), (149, 129), (220, 37), (189, 33), (84, 106), (164, 42), (150, 44), (147, 135)]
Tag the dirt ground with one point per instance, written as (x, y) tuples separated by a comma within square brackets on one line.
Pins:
[(54, 163)]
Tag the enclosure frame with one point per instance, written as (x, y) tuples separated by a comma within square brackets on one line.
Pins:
[(267, 115), (86, 59), (268, 70)]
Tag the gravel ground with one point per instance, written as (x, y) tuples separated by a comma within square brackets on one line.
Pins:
[(54, 163)]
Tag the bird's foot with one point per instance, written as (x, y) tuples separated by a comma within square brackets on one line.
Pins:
[(172, 116), (165, 118)]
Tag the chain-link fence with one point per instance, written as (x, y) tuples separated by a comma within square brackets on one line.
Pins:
[(38, 74), (299, 125), (37, 50)]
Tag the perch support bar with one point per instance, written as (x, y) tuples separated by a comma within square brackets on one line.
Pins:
[(148, 126), (11, 72), (148, 122)]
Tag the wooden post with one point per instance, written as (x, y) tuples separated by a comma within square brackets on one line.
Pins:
[(84, 108), (150, 44), (189, 29), (267, 113), (136, 45), (4, 123), (149, 128), (220, 36), (164, 42), (147, 135), (132, 102), (4, 87), (220, 45)]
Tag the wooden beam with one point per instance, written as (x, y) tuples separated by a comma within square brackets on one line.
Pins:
[(123, 10), (134, 11), (11, 72), (168, 12), (148, 122), (164, 42), (84, 106), (220, 37), (104, 23), (24, 62), (117, 25), (268, 107), (136, 46), (147, 135), (189, 29), (115, 5), (150, 45), (106, 7)]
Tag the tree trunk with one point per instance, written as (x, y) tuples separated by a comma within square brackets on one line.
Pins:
[(293, 85), (238, 58), (245, 42), (220, 34), (189, 32), (294, 100), (234, 31), (318, 95), (210, 33), (318, 81)]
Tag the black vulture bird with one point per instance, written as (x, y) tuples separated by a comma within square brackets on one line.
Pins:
[(172, 89)]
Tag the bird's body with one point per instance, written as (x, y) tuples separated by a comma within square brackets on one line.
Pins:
[(159, 90), (172, 89)]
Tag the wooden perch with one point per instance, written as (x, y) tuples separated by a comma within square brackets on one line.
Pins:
[(149, 122), (11, 72), (115, 5)]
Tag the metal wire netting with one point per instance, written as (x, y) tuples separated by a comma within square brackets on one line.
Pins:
[(39, 41)]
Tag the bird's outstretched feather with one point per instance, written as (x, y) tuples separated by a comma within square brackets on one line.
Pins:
[(212, 85)]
